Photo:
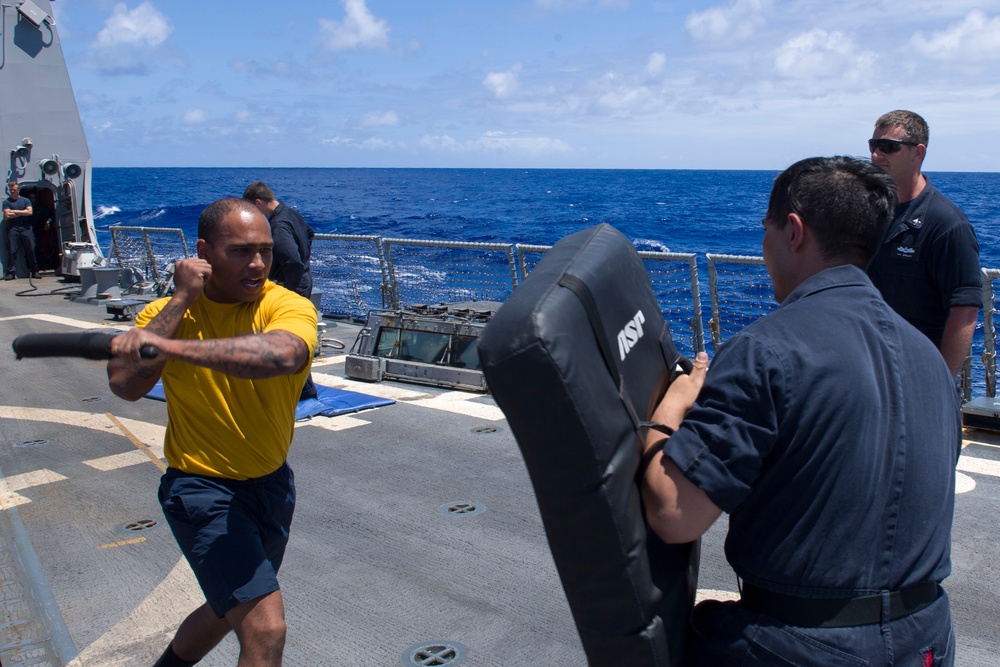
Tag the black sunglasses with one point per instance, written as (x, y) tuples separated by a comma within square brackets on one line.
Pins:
[(888, 145)]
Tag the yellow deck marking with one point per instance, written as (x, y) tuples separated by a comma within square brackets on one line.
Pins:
[(122, 543), (137, 442)]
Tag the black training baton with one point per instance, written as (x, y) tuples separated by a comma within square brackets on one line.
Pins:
[(88, 345)]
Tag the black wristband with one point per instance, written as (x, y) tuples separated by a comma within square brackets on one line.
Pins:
[(657, 426), (651, 453)]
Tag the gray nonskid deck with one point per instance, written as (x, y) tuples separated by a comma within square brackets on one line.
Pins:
[(376, 563)]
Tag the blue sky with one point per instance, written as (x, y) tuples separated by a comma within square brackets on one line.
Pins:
[(738, 84)]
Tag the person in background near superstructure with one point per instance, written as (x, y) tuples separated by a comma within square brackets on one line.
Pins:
[(17, 211), (292, 247), (829, 430), (927, 267), (233, 350)]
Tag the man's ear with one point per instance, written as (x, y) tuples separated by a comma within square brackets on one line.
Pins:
[(796, 231), (200, 248)]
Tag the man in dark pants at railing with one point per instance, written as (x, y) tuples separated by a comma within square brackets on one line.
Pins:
[(292, 248), (927, 267), (17, 212), (829, 430)]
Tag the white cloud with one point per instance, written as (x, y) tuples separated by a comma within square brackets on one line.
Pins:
[(337, 141), (655, 64), (142, 26), (734, 22), (624, 100), (380, 119), (818, 54), (359, 29), (975, 38), (195, 116), (503, 84), (497, 143), (376, 144)]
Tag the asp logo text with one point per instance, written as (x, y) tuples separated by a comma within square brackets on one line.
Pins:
[(630, 334)]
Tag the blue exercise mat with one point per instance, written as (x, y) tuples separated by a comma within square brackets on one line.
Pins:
[(329, 403)]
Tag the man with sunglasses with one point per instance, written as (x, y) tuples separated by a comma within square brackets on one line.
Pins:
[(927, 267)]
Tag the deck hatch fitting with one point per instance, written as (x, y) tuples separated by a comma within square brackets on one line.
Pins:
[(137, 525), (462, 508), (434, 654), (40, 442), (92, 399), (485, 429)]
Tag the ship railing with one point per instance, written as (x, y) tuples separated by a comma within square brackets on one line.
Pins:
[(431, 272), (674, 276), (349, 274), (743, 294), (739, 292), (989, 353), (149, 250), (528, 256), (678, 292), (355, 274)]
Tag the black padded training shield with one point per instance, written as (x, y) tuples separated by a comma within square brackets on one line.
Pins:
[(575, 357)]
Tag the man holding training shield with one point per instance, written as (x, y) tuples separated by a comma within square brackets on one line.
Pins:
[(829, 431), (233, 351)]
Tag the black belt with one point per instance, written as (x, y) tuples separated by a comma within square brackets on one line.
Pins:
[(838, 612)]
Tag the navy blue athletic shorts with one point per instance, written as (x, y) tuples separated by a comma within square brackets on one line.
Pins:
[(232, 532)]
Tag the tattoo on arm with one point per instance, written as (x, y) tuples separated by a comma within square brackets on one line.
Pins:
[(251, 357), (124, 373), (168, 320)]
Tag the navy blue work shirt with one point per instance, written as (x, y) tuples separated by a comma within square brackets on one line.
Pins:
[(19, 204), (928, 262), (829, 430)]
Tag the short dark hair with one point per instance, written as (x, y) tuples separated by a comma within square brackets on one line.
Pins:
[(258, 190), (914, 127), (846, 202), (211, 217)]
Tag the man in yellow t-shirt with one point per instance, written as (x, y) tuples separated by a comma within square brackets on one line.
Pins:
[(233, 350)]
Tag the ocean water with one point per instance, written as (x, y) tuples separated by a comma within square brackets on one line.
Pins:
[(678, 210)]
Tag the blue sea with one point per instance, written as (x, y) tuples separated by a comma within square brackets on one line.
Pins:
[(678, 210)]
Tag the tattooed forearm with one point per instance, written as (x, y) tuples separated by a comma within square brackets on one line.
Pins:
[(131, 378), (168, 320), (257, 356)]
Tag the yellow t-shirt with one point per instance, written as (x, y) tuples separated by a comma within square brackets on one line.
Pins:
[(224, 426)]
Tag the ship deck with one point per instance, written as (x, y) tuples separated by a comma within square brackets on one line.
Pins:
[(377, 566)]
